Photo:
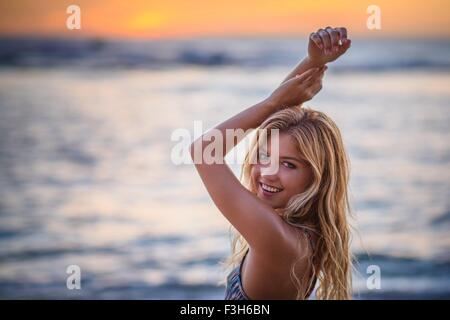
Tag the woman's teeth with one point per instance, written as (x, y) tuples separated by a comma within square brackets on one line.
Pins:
[(267, 188)]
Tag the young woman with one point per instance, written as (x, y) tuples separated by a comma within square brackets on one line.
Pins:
[(291, 223)]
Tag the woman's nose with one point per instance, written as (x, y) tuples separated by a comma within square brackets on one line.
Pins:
[(270, 169)]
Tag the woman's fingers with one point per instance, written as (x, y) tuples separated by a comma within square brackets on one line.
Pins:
[(334, 37), (316, 87), (317, 40), (305, 75), (309, 92), (343, 34), (331, 40), (326, 40), (346, 45), (315, 77), (310, 76), (311, 83)]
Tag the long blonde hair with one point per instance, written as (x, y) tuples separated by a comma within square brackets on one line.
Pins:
[(322, 207)]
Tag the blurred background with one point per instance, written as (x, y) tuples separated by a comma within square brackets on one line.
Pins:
[(86, 117)]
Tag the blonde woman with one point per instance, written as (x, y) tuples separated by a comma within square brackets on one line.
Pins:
[(291, 227)]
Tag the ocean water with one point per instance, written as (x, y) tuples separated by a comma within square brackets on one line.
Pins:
[(87, 178)]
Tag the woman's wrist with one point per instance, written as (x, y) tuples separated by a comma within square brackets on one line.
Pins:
[(271, 104), (311, 63)]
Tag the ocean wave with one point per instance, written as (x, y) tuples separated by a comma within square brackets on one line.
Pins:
[(251, 53)]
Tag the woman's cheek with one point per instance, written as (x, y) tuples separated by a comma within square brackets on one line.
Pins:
[(292, 181)]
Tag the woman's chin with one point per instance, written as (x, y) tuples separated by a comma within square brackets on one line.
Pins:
[(268, 201)]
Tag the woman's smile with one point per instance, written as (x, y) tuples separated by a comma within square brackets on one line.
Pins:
[(269, 190)]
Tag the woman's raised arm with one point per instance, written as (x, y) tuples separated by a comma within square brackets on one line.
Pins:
[(324, 46), (258, 223)]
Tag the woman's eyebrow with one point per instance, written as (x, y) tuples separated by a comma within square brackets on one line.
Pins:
[(293, 158), (286, 157)]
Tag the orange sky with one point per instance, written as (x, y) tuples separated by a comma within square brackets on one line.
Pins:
[(180, 18)]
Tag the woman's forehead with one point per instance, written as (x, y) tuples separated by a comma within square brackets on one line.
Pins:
[(287, 145)]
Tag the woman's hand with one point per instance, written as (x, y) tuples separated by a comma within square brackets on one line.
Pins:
[(299, 89), (327, 45)]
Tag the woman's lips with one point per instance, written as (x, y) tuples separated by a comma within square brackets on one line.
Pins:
[(269, 191)]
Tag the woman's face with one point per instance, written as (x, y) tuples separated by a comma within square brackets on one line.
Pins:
[(293, 176)]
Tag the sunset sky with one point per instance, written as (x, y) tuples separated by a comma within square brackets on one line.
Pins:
[(188, 18)]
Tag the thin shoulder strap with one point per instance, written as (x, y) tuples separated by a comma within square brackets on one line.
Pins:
[(308, 232)]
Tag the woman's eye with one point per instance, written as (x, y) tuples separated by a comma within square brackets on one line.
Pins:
[(289, 165)]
